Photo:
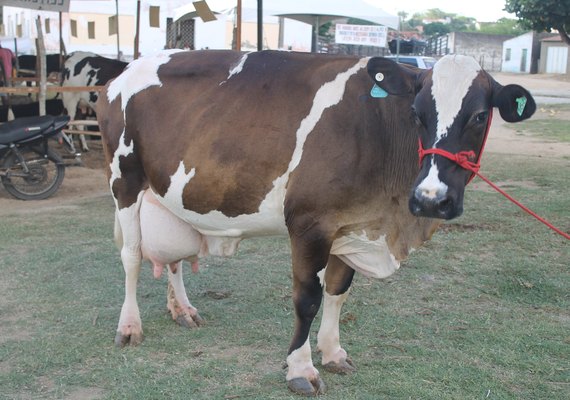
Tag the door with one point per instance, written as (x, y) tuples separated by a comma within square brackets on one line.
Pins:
[(524, 60), (556, 60)]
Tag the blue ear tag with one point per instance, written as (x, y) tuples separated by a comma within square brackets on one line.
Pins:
[(378, 92), (521, 103)]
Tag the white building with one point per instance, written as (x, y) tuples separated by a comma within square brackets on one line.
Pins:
[(86, 27), (521, 54)]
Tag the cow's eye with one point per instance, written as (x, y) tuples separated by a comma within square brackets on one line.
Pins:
[(481, 117)]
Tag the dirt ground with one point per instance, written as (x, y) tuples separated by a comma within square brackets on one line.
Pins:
[(89, 180)]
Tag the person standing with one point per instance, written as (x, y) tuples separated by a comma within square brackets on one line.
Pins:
[(8, 59)]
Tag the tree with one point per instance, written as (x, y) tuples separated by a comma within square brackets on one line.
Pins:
[(436, 28), (504, 26), (459, 23), (543, 15)]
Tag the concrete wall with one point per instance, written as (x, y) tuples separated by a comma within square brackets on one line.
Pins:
[(486, 49)]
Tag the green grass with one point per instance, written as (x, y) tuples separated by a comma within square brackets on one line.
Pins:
[(546, 123), (480, 312), (555, 130)]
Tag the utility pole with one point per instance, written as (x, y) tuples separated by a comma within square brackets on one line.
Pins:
[(259, 25)]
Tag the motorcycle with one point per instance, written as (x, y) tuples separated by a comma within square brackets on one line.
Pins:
[(29, 168)]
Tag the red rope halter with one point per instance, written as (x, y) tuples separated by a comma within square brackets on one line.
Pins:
[(464, 160)]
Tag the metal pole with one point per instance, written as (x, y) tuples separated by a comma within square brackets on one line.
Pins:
[(281, 40), (259, 25), (117, 13), (315, 38), (137, 28)]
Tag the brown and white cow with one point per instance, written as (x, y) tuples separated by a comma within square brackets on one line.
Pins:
[(321, 148)]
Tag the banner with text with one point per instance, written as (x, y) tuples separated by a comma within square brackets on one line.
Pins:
[(364, 35), (45, 5)]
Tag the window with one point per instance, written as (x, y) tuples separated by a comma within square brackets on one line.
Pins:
[(508, 55)]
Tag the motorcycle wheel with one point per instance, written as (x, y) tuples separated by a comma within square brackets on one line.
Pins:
[(43, 180)]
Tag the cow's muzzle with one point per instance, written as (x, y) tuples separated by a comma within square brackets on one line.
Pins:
[(442, 204)]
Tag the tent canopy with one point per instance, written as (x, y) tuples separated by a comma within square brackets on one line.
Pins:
[(316, 12), (311, 11)]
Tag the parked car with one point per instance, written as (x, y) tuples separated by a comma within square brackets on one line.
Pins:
[(417, 61)]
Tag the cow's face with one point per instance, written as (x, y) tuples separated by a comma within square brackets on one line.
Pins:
[(452, 106)]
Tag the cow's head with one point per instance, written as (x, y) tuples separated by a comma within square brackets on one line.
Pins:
[(452, 106)]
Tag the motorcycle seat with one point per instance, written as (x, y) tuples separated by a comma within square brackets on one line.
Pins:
[(29, 127)]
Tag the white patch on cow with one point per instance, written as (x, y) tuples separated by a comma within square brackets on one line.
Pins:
[(269, 219), (300, 363), (431, 186), (140, 74), (236, 69), (177, 182), (122, 150), (330, 94), (321, 276), (452, 78), (372, 258), (328, 338)]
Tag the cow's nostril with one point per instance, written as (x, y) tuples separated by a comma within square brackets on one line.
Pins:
[(446, 204)]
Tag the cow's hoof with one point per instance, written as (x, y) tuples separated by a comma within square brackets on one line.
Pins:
[(305, 387), (186, 320), (125, 340), (343, 367)]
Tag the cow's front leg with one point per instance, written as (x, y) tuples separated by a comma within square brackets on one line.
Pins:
[(337, 280), (309, 256), (177, 301), (130, 330)]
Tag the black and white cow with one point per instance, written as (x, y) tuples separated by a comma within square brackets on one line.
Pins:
[(87, 69), (206, 148)]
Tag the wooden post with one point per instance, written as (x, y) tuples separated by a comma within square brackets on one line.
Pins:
[(238, 26), (41, 57), (61, 44)]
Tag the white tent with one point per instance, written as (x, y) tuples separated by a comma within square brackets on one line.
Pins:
[(323, 11), (316, 12), (309, 10), (319, 12)]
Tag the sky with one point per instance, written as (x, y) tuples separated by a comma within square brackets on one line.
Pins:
[(482, 10)]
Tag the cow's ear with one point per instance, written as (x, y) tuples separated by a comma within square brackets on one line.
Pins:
[(392, 77), (514, 102)]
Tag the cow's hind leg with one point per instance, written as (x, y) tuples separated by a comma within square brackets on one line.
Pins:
[(337, 281), (129, 330), (177, 301)]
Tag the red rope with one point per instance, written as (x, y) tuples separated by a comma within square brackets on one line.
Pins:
[(463, 159), (526, 209)]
